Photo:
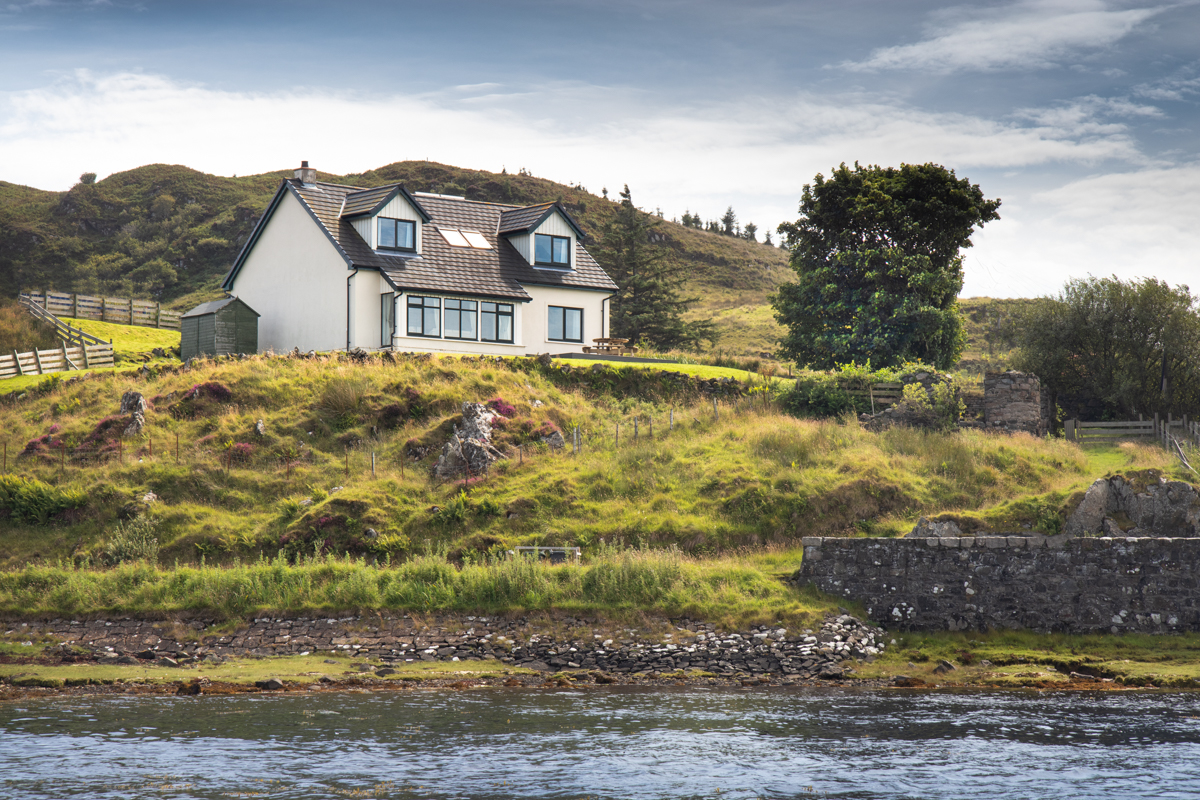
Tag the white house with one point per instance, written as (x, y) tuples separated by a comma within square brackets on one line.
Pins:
[(331, 267)]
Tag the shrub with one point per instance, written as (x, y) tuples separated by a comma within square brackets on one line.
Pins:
[(133, 540), (30, 500)]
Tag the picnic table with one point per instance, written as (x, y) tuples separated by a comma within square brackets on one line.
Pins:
[(611, 346)]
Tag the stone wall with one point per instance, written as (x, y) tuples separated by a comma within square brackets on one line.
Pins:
[(1013, 402), (1056, 583)]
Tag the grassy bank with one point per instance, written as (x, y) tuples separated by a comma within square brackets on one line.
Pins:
[(216, 488), (735, 591)]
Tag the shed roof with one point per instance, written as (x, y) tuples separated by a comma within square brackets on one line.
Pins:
[(213, 306)]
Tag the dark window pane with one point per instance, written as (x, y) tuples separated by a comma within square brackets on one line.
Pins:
[(387, 233), (542, 249)]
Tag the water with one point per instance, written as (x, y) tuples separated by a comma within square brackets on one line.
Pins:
[(601, 743)]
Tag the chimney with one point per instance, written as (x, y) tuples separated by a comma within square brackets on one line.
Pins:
[(306, 174)]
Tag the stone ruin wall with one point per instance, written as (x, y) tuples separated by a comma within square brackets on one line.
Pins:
[(1014, 401), (1056, 583)]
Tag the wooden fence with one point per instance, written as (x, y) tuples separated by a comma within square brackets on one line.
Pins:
[(67, 333), (121, 310), (60, 359), (880, 394), (1156, 429)]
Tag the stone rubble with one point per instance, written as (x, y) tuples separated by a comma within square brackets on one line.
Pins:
[(766, 650), (1147, 505)]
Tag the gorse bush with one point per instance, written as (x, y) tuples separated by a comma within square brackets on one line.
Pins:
[(133, 540), (32, 501)]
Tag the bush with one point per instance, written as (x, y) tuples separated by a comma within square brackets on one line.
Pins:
[(133, 540), (30, 500)]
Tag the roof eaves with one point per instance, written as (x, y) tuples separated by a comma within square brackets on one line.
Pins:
[(550, 209)]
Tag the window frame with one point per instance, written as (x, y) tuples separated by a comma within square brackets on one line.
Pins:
[(498, 312), (424, 306), (387, 314), (474, 312), (563, 309), (396, 224), (552, 263)]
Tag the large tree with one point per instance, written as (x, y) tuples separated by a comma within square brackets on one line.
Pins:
[(648, 305), (877, 255), (1108, 348)]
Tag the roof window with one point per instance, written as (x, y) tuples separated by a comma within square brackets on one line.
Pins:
[(457, 238)]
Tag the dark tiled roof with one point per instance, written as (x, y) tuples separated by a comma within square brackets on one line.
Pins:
[(498, 272), (366, 201), (522, 219)]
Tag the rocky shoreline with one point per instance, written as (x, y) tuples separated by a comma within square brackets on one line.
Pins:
[(543, 645)]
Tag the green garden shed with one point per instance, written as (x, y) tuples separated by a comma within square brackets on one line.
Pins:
[(220, 328)]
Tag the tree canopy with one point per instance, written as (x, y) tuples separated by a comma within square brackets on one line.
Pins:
[(648, 305), (877, 254), (1108, 348)]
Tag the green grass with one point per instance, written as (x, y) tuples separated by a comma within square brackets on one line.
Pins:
[(698, 370), (613, 582), (127, 339), (752, 479), (1026, 658)]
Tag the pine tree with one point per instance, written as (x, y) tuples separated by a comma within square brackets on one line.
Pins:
[(729, 222), (648, 306), (749, 232)]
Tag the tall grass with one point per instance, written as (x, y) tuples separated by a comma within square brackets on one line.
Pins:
[(654, 581)]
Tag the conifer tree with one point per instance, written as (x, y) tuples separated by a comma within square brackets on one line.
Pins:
[(648, 306)]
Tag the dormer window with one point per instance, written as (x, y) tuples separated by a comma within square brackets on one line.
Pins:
[(552, 251), (397, 234)]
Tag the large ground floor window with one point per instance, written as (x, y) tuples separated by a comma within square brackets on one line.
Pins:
[(456, 318), (496, 322), (424, 316), (564, 324)]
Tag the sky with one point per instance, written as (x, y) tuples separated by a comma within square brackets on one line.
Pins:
[(1080, 115)]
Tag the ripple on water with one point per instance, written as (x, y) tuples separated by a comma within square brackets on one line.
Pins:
[(614, 742)]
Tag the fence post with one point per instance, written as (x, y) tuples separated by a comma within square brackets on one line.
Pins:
[(1069, 430), (716, 414), (635, 429), (372, 464), (158, 315), (74, 305), (17, 361), (176, 448), (1157, 429), (671, 421), (104, 309)]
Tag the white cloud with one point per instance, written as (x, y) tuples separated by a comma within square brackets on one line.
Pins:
[(1023, 35), (754, 154), (1134, 224)]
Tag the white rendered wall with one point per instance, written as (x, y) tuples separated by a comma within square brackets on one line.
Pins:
[(365, 288), (595, 321), (296, 280)]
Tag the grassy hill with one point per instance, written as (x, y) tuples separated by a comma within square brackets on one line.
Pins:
[(220, 489), (170, 233)]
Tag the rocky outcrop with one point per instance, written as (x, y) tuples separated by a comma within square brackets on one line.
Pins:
[(1142, 504), (470, 450), (133, 404)]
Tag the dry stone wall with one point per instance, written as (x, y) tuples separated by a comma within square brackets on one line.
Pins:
[(1055, 583)]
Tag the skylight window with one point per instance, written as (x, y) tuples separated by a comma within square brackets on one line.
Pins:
[(457, 238), (454, 238), (477, 241)]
